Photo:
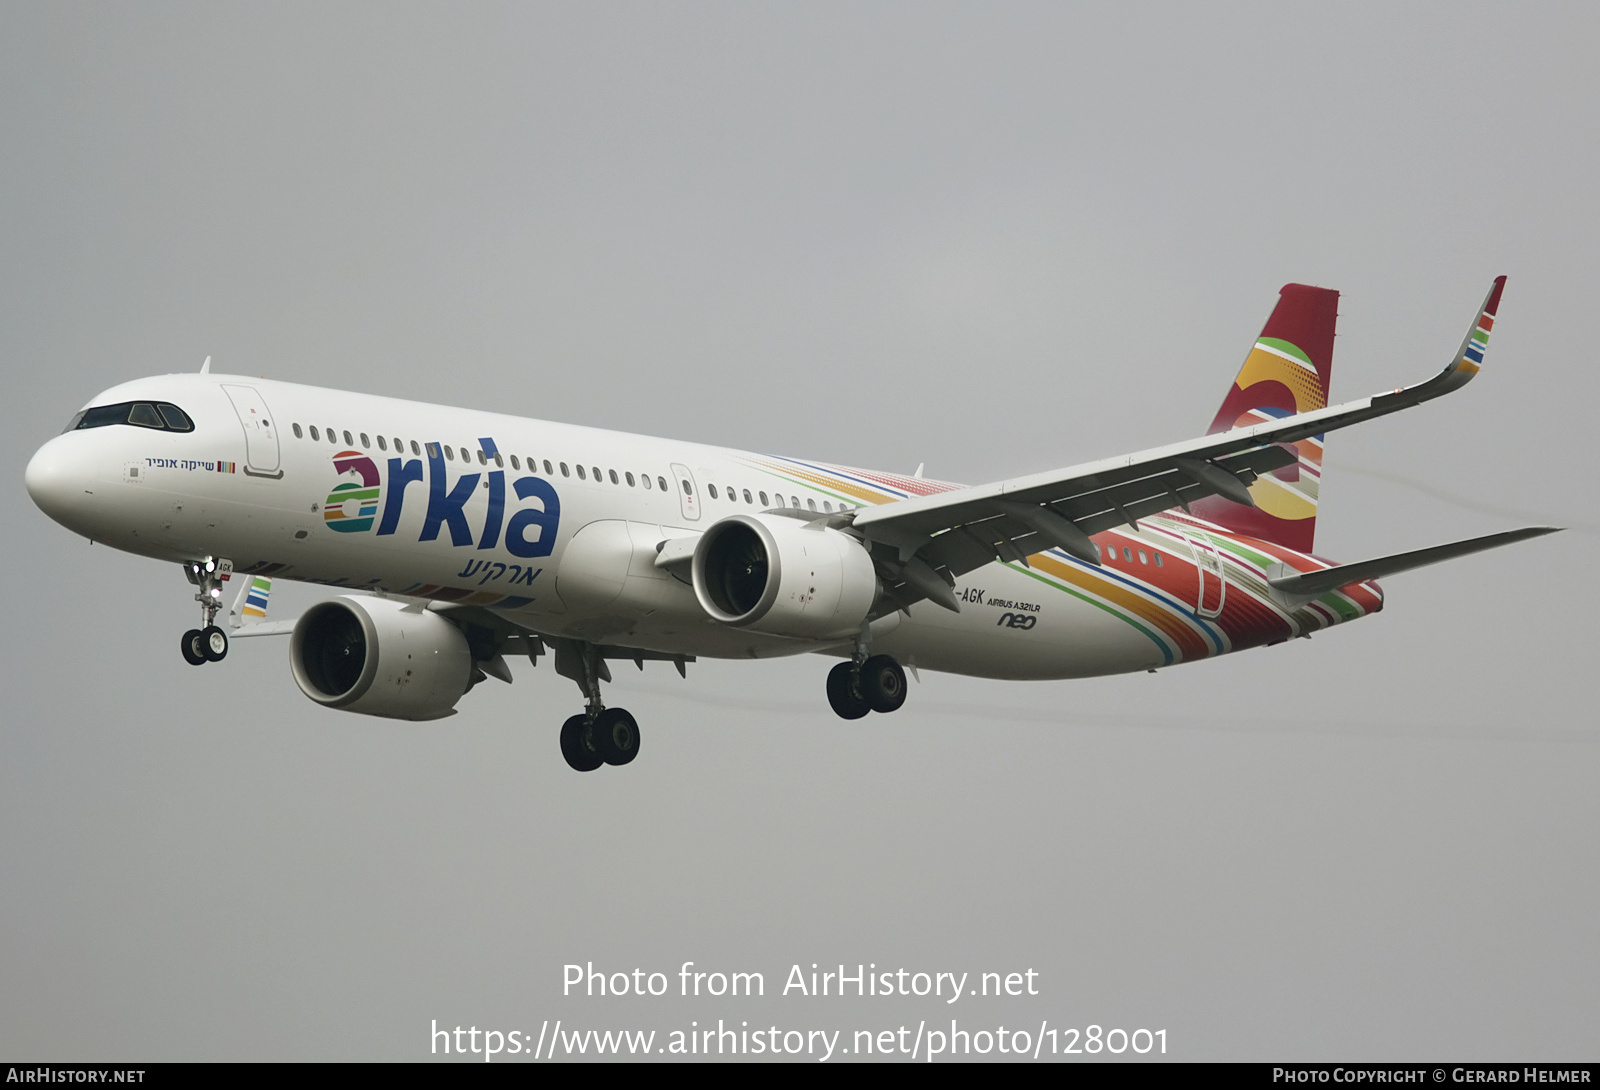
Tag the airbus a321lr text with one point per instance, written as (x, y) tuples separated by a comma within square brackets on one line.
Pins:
[(469, 537)]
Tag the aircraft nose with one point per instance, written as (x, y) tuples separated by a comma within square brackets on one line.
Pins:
[(56, 480)]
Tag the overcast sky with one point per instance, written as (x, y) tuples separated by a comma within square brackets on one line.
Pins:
[(989, 238)]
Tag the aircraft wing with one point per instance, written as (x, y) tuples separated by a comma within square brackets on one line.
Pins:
[(263, 628), (958, 531)]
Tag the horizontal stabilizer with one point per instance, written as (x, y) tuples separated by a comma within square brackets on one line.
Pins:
[(1311, 584)]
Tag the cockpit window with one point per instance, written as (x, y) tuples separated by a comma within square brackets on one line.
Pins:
[(176, 418), (144, 414)]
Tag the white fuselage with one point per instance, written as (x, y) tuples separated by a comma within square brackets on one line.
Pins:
[(557, 527)]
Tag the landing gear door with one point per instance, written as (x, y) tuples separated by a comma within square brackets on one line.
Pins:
[(687, 496), (260, 433)]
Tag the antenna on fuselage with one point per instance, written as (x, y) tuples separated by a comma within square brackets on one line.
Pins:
[(918, 473), (205, 368)]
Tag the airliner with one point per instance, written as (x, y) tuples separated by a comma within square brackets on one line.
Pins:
[(463, 538)]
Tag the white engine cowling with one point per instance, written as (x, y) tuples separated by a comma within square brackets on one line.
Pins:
[(783, 576), (377, 656)]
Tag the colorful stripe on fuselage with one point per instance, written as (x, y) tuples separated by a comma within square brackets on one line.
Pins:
[(1163, 601)]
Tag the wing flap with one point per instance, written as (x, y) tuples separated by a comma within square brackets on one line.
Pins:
[(991, 532)]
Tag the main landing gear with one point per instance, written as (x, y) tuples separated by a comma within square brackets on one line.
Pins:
[(208, 643), (609, 736), (877, 684), (601, 735)]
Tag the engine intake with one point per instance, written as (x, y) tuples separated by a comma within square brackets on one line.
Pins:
[(377, 656), (783, 576)]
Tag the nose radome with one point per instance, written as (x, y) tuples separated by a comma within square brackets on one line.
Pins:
[(56, 480)]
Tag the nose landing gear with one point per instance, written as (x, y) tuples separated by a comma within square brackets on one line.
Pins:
[(209, 643)]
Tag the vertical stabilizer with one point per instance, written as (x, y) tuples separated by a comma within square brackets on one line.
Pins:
[(1287, 372)]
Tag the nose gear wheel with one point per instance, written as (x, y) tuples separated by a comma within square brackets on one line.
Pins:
[(193, 647)]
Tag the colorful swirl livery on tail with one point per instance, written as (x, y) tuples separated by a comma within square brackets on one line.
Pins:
[(1286, 372)]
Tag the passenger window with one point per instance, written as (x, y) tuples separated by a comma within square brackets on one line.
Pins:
[(597, 475), (514, 464), (688, 489), (630, 479), (499, 461), (1142, 559), (349, 441), (827, 507), (414, 448), (564, 472), (1158, 559), (711, 488), (381, 444), (550, 471), (794, 501), (645, 479), (449, 453), (613, 475), (747, 498), (399, 447), (581, 477), (1127, 555), (764, 499), (296, 428), (366, 444), (662, 481), (811, 503), (483, 459), (465, 457), (433, 450), (316, 434)]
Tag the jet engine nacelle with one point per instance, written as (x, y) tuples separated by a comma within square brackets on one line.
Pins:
[(377, 656), (783, 576)]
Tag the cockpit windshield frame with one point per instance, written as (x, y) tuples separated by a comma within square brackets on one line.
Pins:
[(155, 415)]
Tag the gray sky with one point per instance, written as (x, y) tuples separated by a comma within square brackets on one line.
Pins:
[(991, 238)]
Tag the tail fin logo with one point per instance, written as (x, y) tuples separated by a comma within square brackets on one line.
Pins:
[(1287, 371), (1275, 360), (353, 504)]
